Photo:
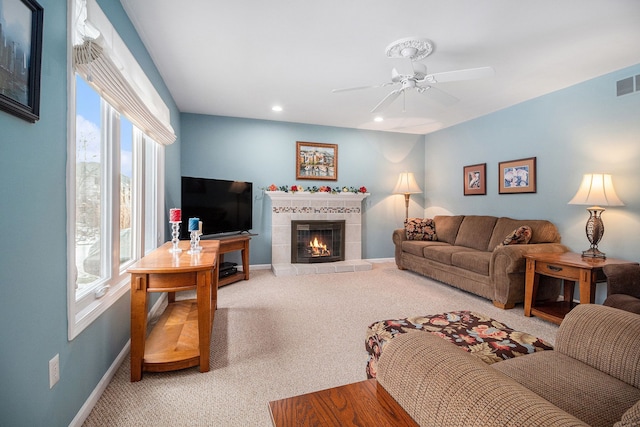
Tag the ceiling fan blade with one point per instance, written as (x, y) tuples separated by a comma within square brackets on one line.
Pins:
[(440, 96), (387, 100), (468, 74), (360, 87)]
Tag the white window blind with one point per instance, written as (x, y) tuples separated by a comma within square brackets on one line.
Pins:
[(103, 60)]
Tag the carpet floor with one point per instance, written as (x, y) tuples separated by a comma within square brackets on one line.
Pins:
[(276, 337)]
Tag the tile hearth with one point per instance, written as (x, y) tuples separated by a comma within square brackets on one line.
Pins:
[(287, 207)]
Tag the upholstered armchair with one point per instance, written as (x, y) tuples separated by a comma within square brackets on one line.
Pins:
[(623, 286)]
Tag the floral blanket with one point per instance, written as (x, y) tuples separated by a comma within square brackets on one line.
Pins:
[(476, 333)]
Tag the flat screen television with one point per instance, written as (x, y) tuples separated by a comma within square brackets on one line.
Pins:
[(222, 206)]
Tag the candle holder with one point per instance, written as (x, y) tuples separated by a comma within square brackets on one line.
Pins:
[(195, 243), (175, 232)]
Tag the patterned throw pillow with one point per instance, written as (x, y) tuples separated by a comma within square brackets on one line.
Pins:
[(420, 229), (519, 236)]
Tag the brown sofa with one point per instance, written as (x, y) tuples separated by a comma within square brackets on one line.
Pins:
[(467, 254), (592, 377)]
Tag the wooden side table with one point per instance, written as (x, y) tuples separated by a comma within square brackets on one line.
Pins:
[(182, 336), (365, 403), (572, 268)]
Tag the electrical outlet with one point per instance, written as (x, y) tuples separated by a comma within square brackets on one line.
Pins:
[(54, 370)]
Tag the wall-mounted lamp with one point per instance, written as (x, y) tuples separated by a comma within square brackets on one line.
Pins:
[(595, 191), (407, 185)]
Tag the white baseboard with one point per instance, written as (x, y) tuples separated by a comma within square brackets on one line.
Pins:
[(85, 410), (260, 267), (380, 260), (371, 260)]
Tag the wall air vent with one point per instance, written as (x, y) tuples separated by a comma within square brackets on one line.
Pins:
[(638, 83), (624, 86)]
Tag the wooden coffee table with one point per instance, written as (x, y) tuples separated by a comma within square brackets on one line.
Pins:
[(365, 403)]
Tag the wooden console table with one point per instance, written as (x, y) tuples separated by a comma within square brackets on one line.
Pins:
[(182, 336), (572, 268), (231, 244), (364, 403)]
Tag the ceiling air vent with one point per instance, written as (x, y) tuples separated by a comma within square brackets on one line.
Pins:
[(624, 86)]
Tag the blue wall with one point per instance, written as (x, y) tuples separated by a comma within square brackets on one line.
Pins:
[(584, 128), (33, 249), (263, 152)]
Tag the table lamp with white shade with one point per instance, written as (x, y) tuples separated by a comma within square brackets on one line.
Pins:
[(596, 191)]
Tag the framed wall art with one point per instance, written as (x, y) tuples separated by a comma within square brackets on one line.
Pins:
[(316, 161), (517, 176), (475, 179), (20, 57)]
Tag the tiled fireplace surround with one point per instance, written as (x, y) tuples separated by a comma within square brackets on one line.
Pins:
[(315, 206)]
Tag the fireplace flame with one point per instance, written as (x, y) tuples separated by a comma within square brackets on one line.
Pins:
[(318, 248)]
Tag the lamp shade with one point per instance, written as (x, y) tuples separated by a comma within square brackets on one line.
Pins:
[(407, 184), (596, 190)]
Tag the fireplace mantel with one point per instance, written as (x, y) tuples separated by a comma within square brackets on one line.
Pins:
[(319, 195), (304, 205)]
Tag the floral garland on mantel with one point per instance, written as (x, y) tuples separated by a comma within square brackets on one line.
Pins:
[(314, 189)]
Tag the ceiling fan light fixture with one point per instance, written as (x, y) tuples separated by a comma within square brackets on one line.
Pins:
[(410, 47), (415, 49)]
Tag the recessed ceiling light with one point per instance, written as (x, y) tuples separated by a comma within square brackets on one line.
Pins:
[(276, 108), (378, 119)]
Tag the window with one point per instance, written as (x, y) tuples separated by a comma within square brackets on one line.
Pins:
[(88, 181), (116, 204), (118, 127)]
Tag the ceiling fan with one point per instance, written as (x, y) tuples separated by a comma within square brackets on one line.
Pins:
[(416, 49)]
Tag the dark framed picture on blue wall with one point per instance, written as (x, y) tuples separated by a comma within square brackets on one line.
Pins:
[(517, 176), (20, 57), (475, 179)]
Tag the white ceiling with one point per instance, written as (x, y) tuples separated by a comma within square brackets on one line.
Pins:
[(239, 58)]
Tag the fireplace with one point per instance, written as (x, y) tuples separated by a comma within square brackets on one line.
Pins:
[(314, 241), (305, 206)]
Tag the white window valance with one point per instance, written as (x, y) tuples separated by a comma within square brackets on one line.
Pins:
[(103, 60)]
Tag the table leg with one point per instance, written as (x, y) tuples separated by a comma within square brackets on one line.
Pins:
[(587, 286), (568, 289), (245, 260), (215, 278), (138, 323), (203, 295), (530, 286)]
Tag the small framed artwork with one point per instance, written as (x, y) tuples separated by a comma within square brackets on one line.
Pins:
[(475, 179), (316, 161), (21, 32), (517, 176)]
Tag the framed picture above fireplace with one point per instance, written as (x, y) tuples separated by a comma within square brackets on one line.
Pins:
[(316, 161)]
